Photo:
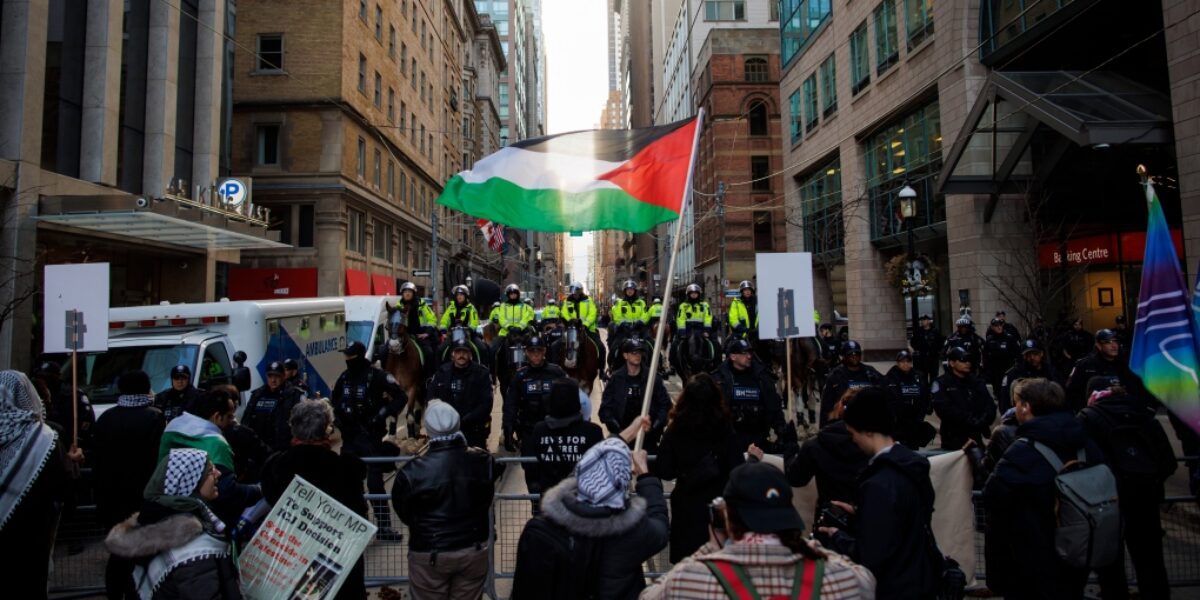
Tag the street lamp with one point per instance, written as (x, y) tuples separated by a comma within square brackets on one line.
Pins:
[(908, 210)]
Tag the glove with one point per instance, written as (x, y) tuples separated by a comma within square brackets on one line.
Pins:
[(510, 441)]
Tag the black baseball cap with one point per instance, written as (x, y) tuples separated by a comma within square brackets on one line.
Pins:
[(291, 364), (1031, 345), (851, 347), (1106, 335), (903, 355), (275, 368), (460, 345), (355, 349), (633, 345), (761, 497), (997, 321), (740, 346), (536, 341), (181, 371), (925, 317), (958, 354)]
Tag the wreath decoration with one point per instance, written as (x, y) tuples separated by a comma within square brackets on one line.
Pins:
[(919, 276)]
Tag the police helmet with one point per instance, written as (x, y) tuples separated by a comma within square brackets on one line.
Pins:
[(963, 322), (575, 287), (461, 289), (740, 346), (694, 287), (536, 341), (275, 368), (1031, 345), (629, 285), (997, 321), (657, 300), (512, 287), (409, 287), (904, 355), (745, 285), (552, 302), (355, 349)]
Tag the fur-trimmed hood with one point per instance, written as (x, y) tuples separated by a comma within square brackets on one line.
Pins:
[(131, 540), (560, 505)]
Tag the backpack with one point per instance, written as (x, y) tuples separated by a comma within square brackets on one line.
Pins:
[(1133, 440), (554, 563), (738, 585), (1088, 531)]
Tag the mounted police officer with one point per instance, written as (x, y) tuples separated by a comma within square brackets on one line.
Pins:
[(551, 313), (467, 386), (621, 402), (851, 374), (753, 400), (270, 406), (175, 400), (629, 317), (655, 311), (525, 403), (692, 312), (579, 307), (513, 315), (363, 398), (460, 312), (743, 313), (422, 323)]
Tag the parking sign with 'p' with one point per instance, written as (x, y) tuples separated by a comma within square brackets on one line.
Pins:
[(232, 192)]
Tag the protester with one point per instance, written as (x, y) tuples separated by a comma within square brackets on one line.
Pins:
[(890, 529), (962, 402), (174, 400), (559, 441), (590, 540), (698, 451), (176, 541), (444, 495), (123, 458), (757, 544), (1141, 457), (853, 373), (1020, 498), (36, 472), (249, 451), (910, 403), (311, 456), (832, 458)]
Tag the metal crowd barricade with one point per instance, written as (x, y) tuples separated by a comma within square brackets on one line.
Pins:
[(79, 553)]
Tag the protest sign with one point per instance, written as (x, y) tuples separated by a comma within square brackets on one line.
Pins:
[(785, 292), (305, 548)]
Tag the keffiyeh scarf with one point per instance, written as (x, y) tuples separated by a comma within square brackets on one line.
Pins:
[(25, 441), (176, 482), (603, 474), (135, 400)]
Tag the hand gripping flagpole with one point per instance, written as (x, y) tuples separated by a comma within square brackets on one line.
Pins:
[(662, 325)]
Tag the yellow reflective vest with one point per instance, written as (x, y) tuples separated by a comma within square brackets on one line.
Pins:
[(550, 311), (693, 311), (583, 309), (513, 315), (625, 310), (740, 315), (454, 314)]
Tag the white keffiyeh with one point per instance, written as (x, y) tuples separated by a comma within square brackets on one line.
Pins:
[(185, 468), (603, 474), (25, 441)]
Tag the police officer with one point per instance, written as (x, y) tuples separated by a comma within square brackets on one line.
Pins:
[(964, 337), (827, 352), (1124, 337), (621, 402), (851, 374), (753, 401), (743, 313), (362, 398), (1071, 346), (460, 312), (693, 308), (494, 313), (654, 313), (174, 400), (910, 403), (422, 322), (1009, 328), (629, 316), (927, 344), (467, 386), (1000, 352), (578, 306), (551, 315), (293, 377), (59, 410), (269, 408), (961, 400), (525, 403), (513, 315), (1103, 361), (1033, 363)]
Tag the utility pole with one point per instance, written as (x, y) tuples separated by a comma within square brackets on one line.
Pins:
[(721, 226), (433, 258)]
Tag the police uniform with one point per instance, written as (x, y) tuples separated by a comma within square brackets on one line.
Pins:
[(928, 344), (584, 310), (743, 317), (268, 410), (1000, 352), (551, 313), (1023, 370), (525, 403), (174, 402), (754, 404), (910, 404), (469, 391), (461, 316), (654, 313), (965, 408), (973, 344), (621, 403), (1096, 365), (631, 312), (843, 378)]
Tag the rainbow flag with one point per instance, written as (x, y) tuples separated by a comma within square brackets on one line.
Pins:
[(1166, 344)]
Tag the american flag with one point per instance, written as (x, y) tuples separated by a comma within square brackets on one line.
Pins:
[(493, 233)]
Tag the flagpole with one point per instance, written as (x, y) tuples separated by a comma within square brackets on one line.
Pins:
[(662, 324)]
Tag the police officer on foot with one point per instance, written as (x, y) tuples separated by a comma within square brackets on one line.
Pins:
[(467, 386), (964, 337), (270, 407), (961, 400), (174, 400), (910, 403), (1033, 364), (852, 373), (753, 401), (1000, 353), (927, 343), (621, 402), (1103, 361), (363, 398), (525, 404), (293, 377)]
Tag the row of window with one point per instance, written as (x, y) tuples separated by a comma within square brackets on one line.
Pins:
[(734, 10), (412, 253), (802, 19), (807, 105), (405, 190)]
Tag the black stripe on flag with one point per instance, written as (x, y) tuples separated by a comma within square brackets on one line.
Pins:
[(611, 145)]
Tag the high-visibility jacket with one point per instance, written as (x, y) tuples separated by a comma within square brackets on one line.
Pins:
[(693, 311), (550, 311), (740, 315), (624, 310), (424, 313), (454, 314), (655, 311), (583, 309), (514, 315)]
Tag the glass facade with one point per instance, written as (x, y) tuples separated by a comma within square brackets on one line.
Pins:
[(887, 47), (906, 152), (811, 116), (799, 20), (860, 63), (829, 86), (821, 209), (918, 20), (797, 122), (1002, 21)]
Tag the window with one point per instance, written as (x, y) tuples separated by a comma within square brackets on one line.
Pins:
[(281, 221), (403, 58), (268, 145), (887, 48), (422, 138), (392, 41), (307, 225), (810, 103), (414, 74), (382, 241), (412, 123), (431, 146), (404, 256), (796, 120), (907, 149), (414, 19), (860, 64), (918, 19), (378, 171), (764, 238), (378, 23), (724, 10), (403, 117), (422, 88), (270, 52), (403, 188), (362, 10), (361, 170), (391, 105), (774, 13), (391, 187), (215, 369), (404, 7), (760, 173), (362, 73), (423, 37), (356, 232), (378, 90), (799, 22), (412, 193), (821, 209), (758, 119), (756, 69), (828, 86)]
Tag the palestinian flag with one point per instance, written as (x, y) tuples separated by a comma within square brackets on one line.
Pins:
[(625, 179), (189, 431)]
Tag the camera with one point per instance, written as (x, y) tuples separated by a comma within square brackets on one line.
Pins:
[(142, 202), (833, 516)]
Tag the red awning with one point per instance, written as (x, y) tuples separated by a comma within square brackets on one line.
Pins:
[(383, 285), (264, 284), (357, 283)]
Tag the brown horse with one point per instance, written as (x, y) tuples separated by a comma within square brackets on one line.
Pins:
[(403, 361), (580, 357), (804, 381)]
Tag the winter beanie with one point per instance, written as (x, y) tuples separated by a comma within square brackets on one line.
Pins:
[(441, 419)]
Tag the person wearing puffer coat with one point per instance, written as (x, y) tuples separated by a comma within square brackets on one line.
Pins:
[(177, 542)]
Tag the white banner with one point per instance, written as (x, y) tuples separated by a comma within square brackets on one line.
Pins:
[(785, 295), (78, 292)]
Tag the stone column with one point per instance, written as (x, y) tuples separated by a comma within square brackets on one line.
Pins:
[(101, 92), (162, 88), (22, 79), (1183, 68), (210, 64)]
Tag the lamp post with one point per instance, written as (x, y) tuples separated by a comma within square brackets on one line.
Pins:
[(908, 210)]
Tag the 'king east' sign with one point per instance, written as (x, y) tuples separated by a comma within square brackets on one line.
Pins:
[(1128, 247)]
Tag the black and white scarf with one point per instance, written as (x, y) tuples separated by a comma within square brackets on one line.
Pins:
[(135, 400), (25, 441)]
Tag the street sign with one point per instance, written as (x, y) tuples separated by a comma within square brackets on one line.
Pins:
[(233, 192), (421, 273), (731, 293)]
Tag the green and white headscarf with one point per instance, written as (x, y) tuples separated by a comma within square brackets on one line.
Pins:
[(176, 485)]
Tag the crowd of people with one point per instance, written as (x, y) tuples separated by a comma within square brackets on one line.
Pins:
[(176, 473)]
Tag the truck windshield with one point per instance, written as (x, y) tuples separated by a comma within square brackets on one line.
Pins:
[(98, 371)]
